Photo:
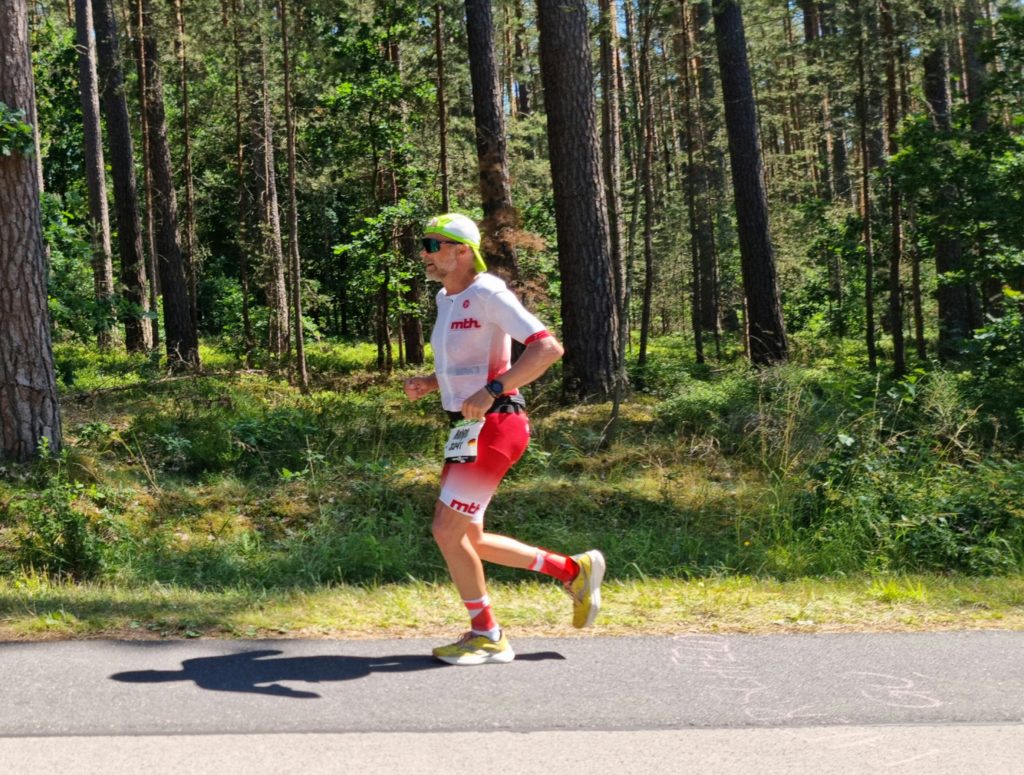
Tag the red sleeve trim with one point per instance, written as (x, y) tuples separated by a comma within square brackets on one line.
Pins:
[(536, 337)]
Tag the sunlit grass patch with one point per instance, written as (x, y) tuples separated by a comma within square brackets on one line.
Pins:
[(897, 590), (35, 608)]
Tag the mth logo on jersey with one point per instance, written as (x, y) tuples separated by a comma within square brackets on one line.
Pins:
[(465, 508), (458, 325)]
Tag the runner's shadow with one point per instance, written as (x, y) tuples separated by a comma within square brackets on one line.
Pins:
[(253, 672)]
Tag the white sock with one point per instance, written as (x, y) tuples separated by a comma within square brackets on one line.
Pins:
[(494, 635)]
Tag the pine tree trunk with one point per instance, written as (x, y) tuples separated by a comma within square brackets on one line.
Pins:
[(767, 333), (189, 215), (974, 66), (102, 260), (182, 343), (442, 107), (244, 198), (920, 344), (710, 172), (692, 185), (977, 76), (152, 269), (899, 359), (270, 213), (36, 135), (301, 372), (522, 96), (611, 143), (500, 217), (29, 409), (138, 334), (865, 196), (837, 107), (819, 98), (590, 326), (646, 181)]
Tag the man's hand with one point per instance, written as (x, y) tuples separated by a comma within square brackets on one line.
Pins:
[(476, 406), (417, 387)]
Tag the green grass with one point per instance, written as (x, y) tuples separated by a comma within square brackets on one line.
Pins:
[(32, 608), (224, 503)]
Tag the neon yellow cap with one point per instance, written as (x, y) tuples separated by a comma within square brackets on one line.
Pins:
[(459, 228)]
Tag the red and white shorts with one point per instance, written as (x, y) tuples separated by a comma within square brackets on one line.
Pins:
[(469, 487)]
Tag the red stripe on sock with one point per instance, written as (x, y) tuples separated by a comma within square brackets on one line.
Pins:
[(481, 617), (558, 565)]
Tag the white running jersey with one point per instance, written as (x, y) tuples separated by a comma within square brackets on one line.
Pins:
[(472, 338)]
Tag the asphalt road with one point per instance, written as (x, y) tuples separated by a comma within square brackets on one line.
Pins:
[(907, 703)]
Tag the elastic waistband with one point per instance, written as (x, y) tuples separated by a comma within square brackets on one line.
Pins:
[(503, 405)]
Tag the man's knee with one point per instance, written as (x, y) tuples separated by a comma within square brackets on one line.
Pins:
[(449, 526)]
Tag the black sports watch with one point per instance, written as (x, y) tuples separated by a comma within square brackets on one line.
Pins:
[(495, 388)]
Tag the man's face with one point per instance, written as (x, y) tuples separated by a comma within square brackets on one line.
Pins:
[(442, 263)]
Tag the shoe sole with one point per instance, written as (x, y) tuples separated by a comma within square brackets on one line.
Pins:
[(597, 567), (501, 657)]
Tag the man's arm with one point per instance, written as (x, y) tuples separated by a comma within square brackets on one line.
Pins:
[(535, 360)]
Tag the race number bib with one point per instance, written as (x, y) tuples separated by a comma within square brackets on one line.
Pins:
[(461, 445)]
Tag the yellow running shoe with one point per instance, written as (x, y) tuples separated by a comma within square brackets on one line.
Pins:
[(473, 649), (585, 589)]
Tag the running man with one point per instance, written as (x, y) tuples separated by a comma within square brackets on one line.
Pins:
[(477, 318)]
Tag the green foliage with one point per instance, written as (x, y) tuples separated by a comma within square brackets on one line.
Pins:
[(59, 109), (827, 300), (720, 408), (58, 527), (79, 367), (15, 135), (74, 310)]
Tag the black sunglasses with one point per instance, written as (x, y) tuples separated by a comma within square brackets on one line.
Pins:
[(431, 245)]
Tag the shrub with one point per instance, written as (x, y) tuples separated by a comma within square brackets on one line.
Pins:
[(721, 408), (52, 535)]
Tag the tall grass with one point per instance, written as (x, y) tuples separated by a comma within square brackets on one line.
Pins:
[(235, 479)]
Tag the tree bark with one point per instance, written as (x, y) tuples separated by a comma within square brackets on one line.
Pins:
[(646, 178), (189, 243), (244, 198), (865, 194), (684, 45), (29, 408), (270, 212), (589, 316), (710, 173), (899, 358), (522, 95), (766, 331), (182, 342), (152, 269), (442, 107), (611, 143), (974, 66), (138, 333), (102, 261), (500, 218), (301, 372)]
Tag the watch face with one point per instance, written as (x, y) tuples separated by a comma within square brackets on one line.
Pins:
[(495, 387)]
